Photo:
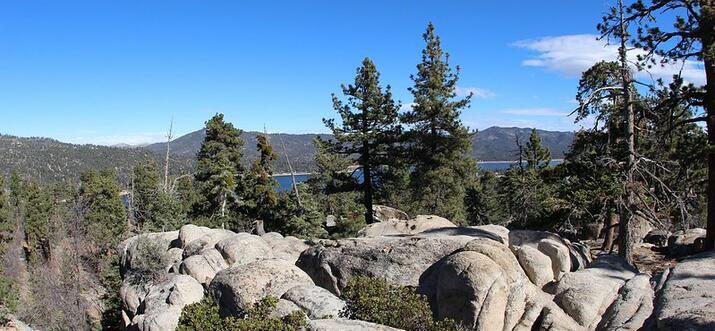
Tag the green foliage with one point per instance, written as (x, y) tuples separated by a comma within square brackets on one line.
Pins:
[(537, 157), (369, 129), (112, 282), (262, 198), (155, 208), (105, 216), (304, 220), (151, 262), (482, 203), (219, 173), (375, 300), (38, 211), (204, 316), (439, 143), (7, 222), (8, 298)]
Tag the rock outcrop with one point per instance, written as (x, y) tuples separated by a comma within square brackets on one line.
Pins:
[(397, 259), (687, 300), (238, 287), (396, 226)]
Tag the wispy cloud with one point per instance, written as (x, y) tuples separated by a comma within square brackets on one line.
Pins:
[(574, 54), (407, 106), (534, 112), (475, 91), (140, 138)]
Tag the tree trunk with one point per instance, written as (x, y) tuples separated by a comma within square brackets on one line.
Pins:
[(610, 229), (367, 182), (707, 28), (625, 245)]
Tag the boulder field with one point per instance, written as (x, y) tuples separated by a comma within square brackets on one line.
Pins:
[(486, 277)]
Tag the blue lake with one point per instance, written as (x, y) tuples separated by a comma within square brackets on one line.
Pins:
[(284, 182)]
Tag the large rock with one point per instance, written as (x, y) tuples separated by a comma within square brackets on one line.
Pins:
[(129, 249), (586, 294), (687, 300), (344, 325), (398, 260), (286, 248), (284, 308), (536, 265), (317, 302), (132, 296), (682, 243), (383, 213), (190, 232), (472, 289), (497, 230), (559, 255), (407, 227), (163, 303), (208, 241), (239, 287), (203, 267), (631, 308), (244, 248)]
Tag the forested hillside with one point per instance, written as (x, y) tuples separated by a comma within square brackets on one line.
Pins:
[(49, 160)]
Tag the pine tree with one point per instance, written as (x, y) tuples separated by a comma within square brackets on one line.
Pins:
[(145, 185), (38, 211), (537, 156), (219, 173), (105, 216), (369, 127), (263, 197), (6, 220), (440, 143)]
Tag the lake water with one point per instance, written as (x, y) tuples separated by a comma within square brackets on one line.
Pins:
[(284, 182)]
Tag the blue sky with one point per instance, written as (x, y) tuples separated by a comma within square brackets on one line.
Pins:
[(109, 72)]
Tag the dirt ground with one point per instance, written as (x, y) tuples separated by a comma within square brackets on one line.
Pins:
[(647, 257)]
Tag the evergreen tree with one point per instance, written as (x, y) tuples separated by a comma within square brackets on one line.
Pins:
[(333, 189), (154, 208), (537, 156), (440, 143), (145, 185), (219, 173), (482, 201), (369, 127), (105, 216), (38, 211), (263, 197), (7, 224)]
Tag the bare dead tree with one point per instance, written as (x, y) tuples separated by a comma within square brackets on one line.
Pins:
[(169, 135), (292, 173)]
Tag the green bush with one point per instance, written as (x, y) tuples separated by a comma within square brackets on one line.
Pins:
[(151, 261), (205, 316), (374, 300), (8, 298)]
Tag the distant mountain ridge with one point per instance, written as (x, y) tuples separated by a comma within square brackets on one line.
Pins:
[(51, 160), (492, 144)]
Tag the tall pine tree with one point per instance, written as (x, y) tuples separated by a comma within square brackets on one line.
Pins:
[(537, 157), (263, 197), (440, 143), (219, 173), (369, 127)]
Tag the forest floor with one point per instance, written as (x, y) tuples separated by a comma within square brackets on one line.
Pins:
[(648, 258)]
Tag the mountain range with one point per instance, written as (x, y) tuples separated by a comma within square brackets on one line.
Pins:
[(52, 160)]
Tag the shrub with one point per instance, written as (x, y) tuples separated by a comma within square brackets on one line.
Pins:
[(205, 316), (8, 298), (151, 261), (374, 300)]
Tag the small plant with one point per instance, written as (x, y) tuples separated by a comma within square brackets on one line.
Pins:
[(8, 299), (205, 316), (151, 262), (374, 300)]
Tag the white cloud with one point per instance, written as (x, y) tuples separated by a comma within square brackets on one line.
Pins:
[(140, 138), (475, 91), (407, 106), (573, 54), (534, 112)]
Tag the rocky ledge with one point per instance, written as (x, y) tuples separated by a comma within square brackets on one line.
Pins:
[(487, 278)]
